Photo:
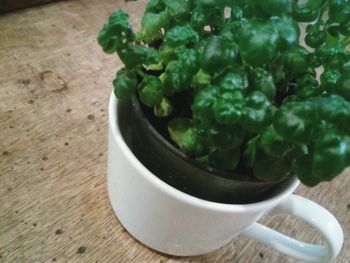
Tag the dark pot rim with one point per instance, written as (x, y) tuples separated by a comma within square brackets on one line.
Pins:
[(265, 195), (209, 169)]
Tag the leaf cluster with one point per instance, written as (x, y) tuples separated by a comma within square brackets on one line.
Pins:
[(255, 98)]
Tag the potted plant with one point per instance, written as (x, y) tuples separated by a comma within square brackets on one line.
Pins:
[(224, 101)]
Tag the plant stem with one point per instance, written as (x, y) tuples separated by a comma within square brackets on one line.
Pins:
[(140, 72), (223, 19)]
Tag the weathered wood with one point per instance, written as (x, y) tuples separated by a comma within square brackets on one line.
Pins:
[(54, 88), (9, 5)]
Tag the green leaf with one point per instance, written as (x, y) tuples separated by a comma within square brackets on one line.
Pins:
[(116, 33), (177, 8), (304, 170), (201, 79), (331, 156), (147, 55), (183, 132), (273, 144), (263, 81), (152, 23), (224, 137), (151, 93), (295, 121), (228, 108), (124, 84), (224, 159), (180, 35), (288, 31), (217, 53), (204, 101), (258, 112), (154, 6), (163, 109), (203, 159), (258, 42), (157, 67), (274, 7), (178, 78), (234, 81), (133, 56)]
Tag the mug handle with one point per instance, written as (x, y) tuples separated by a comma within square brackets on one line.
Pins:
[(316, 216)]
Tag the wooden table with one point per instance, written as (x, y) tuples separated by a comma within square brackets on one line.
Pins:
[(54, 88)]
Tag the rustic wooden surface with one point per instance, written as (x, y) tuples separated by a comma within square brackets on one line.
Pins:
[(54, 88)]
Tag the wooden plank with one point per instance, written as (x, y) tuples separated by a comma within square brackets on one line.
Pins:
[(10, 5), (54, 87)]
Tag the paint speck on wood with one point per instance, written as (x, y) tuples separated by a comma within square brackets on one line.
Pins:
[(59, 232), (26, 81), (81, 250)]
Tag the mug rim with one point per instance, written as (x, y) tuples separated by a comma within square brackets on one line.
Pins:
[(175, 193)]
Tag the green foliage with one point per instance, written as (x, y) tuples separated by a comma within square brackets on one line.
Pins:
[(124, 83), (181, 35), (258, 41), (186, 135), (256, 101), (217, 53), (151, 93)]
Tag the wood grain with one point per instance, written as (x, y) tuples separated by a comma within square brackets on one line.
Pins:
[(54, 88)]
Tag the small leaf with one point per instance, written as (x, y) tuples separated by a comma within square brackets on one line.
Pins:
[(304, 170), (224, 159), (201, 79), (156, 67), (177, 7), (203, 159), (273, 144), (184, 134), (163, 109)]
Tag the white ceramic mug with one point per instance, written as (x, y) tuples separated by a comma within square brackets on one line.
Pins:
[(176, 223)]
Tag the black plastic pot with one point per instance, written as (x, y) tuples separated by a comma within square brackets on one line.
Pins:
[(152, 147)]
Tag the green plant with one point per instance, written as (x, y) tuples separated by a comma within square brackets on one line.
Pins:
[(255, 98)]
